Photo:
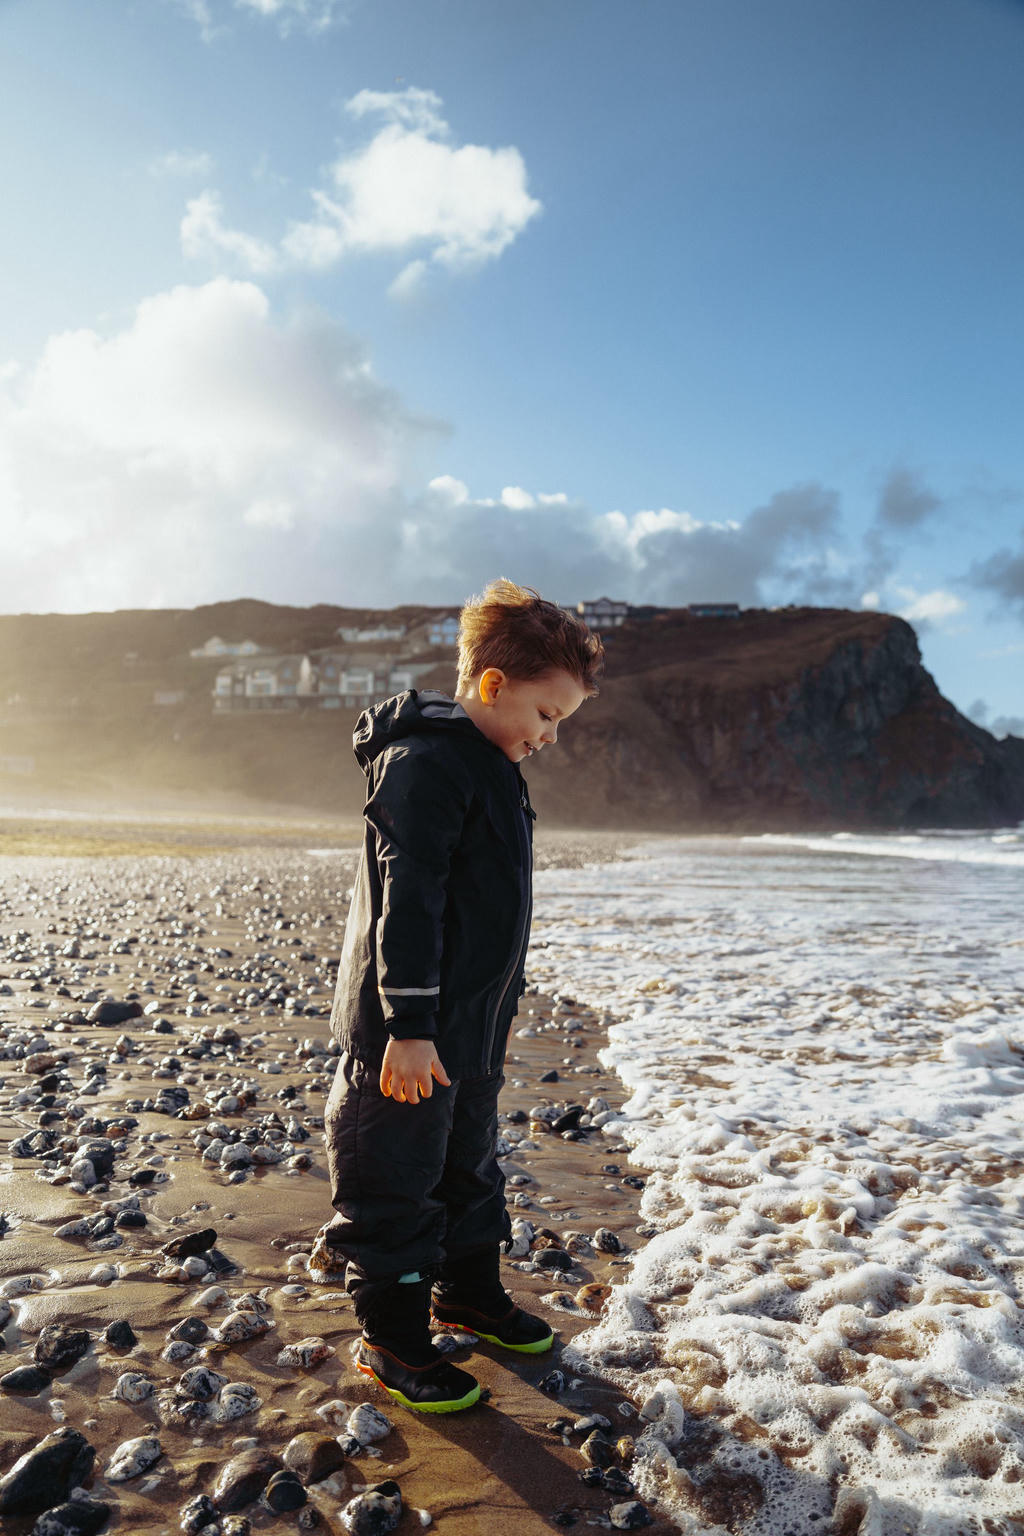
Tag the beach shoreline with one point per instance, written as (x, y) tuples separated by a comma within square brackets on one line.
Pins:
[(264, 925)]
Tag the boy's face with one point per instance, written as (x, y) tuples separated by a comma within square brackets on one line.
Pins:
[(522, 716)]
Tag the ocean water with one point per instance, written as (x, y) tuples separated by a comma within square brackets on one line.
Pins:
[(824, 1042)]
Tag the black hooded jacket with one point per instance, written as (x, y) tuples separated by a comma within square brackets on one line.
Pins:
[(435, 943)]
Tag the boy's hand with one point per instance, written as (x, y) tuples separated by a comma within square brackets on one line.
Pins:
[(409, 1066)]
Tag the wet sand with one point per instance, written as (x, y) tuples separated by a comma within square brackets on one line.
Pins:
[(231, 956)]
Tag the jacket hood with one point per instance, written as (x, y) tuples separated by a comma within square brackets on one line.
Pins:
[(408, 714)]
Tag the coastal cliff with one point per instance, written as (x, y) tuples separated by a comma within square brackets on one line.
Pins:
[(800, 717), (803, 717)]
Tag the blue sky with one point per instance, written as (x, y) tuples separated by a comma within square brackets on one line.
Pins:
[(332, 300)]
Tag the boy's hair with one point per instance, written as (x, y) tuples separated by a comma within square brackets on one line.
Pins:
[(520, 632)]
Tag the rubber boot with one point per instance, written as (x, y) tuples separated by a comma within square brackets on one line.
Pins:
[(469, 1295), (396, 1348)]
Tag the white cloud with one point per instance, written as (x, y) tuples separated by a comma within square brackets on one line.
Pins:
[(871, 600), (313, 16), (208, 449), (516, 499), (929, 607), (182, 162), (204, 232), (408, 192)]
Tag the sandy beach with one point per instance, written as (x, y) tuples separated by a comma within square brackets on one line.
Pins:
[(164, 1177)]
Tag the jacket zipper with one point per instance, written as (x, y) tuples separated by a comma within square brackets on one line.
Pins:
[(524, 937)]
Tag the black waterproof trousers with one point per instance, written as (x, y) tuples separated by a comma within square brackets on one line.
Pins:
[(412, 1184)]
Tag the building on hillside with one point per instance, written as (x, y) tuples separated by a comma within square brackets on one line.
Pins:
[(215, 646), (356, 680), (378, 634), (714, 610), (264, 682), (602, 612)]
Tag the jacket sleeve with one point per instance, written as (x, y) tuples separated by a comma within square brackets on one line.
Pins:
[(417, 808)]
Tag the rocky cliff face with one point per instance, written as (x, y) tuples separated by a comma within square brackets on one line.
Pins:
[(806, 717), (799, 718)]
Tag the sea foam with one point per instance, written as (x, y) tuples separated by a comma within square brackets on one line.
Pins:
[(824, 1048)]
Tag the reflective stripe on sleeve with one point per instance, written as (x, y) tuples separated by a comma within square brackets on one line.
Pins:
[(409, 991)]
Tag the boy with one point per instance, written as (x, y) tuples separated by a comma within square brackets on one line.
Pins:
[(430, 977)]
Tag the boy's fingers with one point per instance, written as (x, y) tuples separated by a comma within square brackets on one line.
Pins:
[(440, 1073), (385, 1080), (409, 1092), (425, 1088)]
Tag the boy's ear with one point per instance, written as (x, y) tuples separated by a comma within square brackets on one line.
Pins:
[(491, 681)]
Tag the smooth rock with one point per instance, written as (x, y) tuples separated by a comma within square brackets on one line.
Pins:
[(629, 1517), (133, 1457), (190, 1243), (243, 1479), (284, 1492), (132, 1387), (368, 1424), (58, 1346), (79, 1517), (236, 1400), (45, 1475), (121, 1334), (607, 1241), (313, 1457), (196, 1514), (239, 1326), (374, 1512), (306, 1353), (200, 1383), (25, 1378)]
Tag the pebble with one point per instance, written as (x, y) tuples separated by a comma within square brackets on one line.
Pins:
[(133, 1387), (374, 1512), (133, 1457), (25, 1378), (121, 1334), (239, 1326), (200, 1383), (313, 1457), (58, 1346), (607, 1241), (78, 1517), (306, 1353), (235, 1400), (244, 1478), (197, 1513), (45, 1475), (284, 1492), (630, 1516), (368, 1424)]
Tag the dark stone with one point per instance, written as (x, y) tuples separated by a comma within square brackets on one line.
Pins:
[(79, 1517), (196, 1513), (45, 1475), (130, 1219), (569, 1121), (235, 1525), (614, 1480), (552, 1258), (607, 1241), (554, 1383), (121, 1334), (189, 1244), (192, 1329), (308, 1518), (284, 1492), (313, 1457), (634, 1182), (629, 1517), (142, 1176), (548, 1077), (101, 1154), (50, 1083), (597, 1450), (374, 1512), (25, 1378), (114, 1013), (59, 1346), (243, 1479), (516, 1117), (220, 1263)]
